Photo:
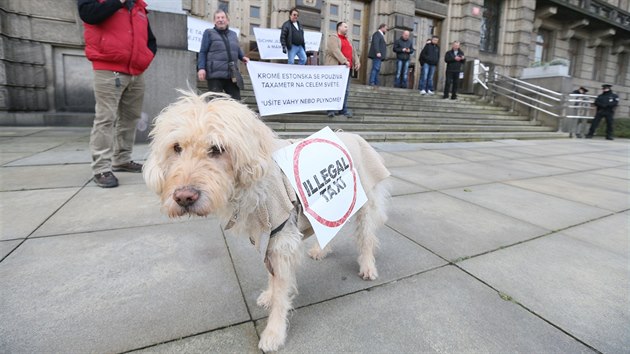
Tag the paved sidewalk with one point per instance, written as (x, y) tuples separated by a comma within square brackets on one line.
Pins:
[(501, 247)]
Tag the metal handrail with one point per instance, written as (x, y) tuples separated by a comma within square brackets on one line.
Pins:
[(574, 107)]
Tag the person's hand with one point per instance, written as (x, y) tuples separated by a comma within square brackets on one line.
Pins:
[(245, 60), (201, 74), (347, 64), (284, 50), (378, 55), (357, 65), (123, 1)]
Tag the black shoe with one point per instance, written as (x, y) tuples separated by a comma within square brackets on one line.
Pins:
[(589, 137), (453, 97), (347, 114), (128, 167), (106, 180), (610, 138), (444, 97), (331, 114)]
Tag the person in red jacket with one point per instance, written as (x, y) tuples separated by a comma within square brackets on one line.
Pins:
[(120, 44)]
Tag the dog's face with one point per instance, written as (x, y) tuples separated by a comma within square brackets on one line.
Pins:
[(203, 152)]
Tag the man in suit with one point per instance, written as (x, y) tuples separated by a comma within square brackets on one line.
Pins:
[(378, 53)]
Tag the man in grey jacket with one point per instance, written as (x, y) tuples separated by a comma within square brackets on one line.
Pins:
[(377, 52), (217, 61)]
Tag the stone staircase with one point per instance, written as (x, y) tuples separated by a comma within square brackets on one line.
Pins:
[(386, 114)]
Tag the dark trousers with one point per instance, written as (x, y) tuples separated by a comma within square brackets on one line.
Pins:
[(598, 118), (452, 77), (225, 85)]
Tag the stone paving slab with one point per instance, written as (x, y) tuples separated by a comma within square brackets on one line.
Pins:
[(499, 170), (455, 229), (429, 157), (6, 157), (472, 155), (42, 177), (70, 153), (392, 160), (570, 280), (7, 246), (30, 144), (24, 211), (600, 191), (618, 172), (128, 205), (441, 311), (435, 177), (119, 290), (400, 187), (547, 211), (337, 274), (241, 339), (503, 153)]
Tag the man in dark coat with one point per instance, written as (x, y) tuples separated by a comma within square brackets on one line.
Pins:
[(429, 58), (606, 104), (403, 47), (455, 60), (292, 38), (377, 52)]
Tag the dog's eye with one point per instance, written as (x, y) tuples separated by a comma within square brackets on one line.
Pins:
[(177, 148), (215, 151)]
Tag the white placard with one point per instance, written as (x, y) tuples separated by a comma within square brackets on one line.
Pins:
[(196, 27), (324, 176), (268, 41), (284, 88)]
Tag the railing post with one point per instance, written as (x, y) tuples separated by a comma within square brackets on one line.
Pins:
[(513, 105), (563, 112)]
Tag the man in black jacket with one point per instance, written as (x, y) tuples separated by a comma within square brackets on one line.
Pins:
[(606, 104), (429, 58), (377, 52), (403, 47), (292, 38), (455, 60)]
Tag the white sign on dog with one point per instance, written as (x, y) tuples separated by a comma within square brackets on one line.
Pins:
[(269, 46), (282, 88), (324, 177)]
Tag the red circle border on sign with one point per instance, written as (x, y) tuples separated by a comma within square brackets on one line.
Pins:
[(307, 208)]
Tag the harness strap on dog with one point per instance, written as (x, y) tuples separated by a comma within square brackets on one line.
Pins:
[(278, 229)]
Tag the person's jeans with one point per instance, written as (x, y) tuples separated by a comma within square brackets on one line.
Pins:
[(119, 100), (401, 65), (426, 78), (299, 51), (344, 108), (376, 69)]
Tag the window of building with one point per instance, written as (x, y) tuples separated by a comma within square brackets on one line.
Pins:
[(541, 50), (254, 12), (356, 15), (576, 52), (599, 69), (225, 6), (489, 38), (332, 25), (356, 30), (251, 28), (334, 10), (622, 68)]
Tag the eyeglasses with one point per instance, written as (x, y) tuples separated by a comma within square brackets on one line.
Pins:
[(295, 15)]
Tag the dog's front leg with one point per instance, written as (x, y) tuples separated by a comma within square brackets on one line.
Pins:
[(284, 254)]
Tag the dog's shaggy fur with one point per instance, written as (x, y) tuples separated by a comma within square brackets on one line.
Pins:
[(212, 155)]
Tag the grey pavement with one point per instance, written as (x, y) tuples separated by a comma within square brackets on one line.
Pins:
[(491, 247)]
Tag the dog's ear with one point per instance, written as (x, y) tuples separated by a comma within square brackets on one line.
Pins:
[(153, 174)]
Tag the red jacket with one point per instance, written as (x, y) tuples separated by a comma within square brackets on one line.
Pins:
[(119, 43)]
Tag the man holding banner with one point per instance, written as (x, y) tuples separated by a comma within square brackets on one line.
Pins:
[(339, 51), (292, 38)]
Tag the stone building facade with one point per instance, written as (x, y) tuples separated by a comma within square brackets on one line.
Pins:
[(42, 68)]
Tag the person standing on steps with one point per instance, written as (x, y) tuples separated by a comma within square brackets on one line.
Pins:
[(378, 53), (429, 58), (403, 47), (455, 60), (292, 38), (339, 51)]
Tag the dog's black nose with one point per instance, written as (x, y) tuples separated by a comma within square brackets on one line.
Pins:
[(186, 196)]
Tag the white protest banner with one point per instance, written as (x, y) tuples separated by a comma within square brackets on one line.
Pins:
[(268, 41), (196, 27), (283, 88), (323, 175)]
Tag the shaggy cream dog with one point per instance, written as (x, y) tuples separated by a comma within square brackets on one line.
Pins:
[(212, 155)]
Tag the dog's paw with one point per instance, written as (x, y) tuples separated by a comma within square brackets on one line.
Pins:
[(271, 340), (368, 273), (264, 299), (317, 253)]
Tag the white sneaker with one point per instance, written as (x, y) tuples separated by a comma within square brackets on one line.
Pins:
[(423, 92), (430, 92)]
